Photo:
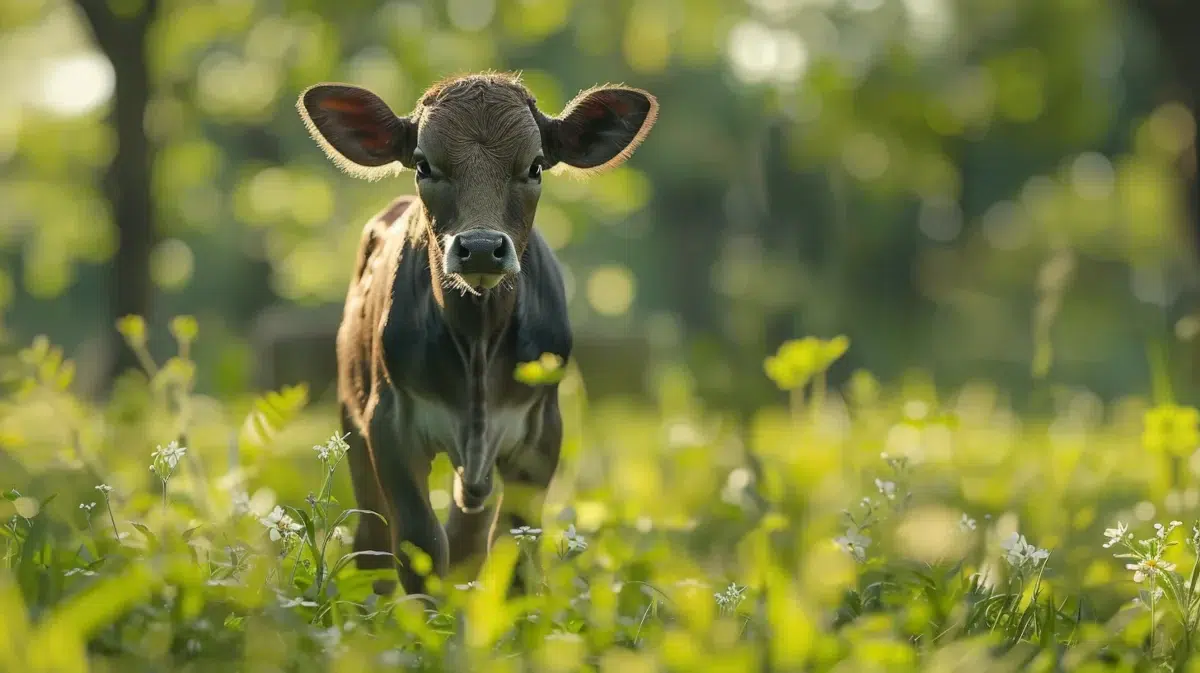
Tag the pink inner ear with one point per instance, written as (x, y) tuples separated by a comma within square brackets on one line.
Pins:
[(352, 114), (342, 105), (603, 101)]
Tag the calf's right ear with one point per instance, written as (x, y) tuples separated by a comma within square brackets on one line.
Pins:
[(357, 130)]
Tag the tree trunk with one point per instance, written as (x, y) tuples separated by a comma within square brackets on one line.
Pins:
[(122, 38), (1177, 23)]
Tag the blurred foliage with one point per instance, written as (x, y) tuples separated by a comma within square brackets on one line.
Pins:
[(982, 196), (968, 185), (904, 528)]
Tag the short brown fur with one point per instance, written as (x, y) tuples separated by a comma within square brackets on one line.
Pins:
[(425, 357)]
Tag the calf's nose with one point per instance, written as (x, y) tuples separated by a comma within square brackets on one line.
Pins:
[(481, 251)]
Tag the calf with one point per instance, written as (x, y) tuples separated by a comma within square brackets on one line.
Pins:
[(452, 288)]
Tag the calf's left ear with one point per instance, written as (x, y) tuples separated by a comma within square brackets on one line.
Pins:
[(600, 128)]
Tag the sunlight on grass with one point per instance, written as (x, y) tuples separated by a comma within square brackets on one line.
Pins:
[(905, 529)]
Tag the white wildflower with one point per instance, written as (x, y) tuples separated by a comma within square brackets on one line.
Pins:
[(329, 638), (288, 603), (1147, 567), (170, 455), (575, 541), (887, 488), (854, 543), (1019, 553), (525, 533), (343, 535), (241, 503), (1163, 531), (967, 523), (88, 507), (280, 524), (731, 598), (105, 489), (1115, 535), (333, 449)]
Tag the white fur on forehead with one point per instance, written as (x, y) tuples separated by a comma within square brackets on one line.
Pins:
[(371, 173), (563, 168)]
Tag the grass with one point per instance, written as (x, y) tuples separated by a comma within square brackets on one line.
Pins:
[(850, 530)]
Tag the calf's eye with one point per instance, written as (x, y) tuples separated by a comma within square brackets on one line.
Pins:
[(423, 170), (535, 170)]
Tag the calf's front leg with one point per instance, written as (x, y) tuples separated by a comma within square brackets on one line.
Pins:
[(526, 478), (404, 483), (372, 533)]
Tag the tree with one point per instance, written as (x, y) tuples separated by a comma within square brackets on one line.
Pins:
[(120, 29)]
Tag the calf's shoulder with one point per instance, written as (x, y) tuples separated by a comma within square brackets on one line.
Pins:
[(540, 316), (368, 300)]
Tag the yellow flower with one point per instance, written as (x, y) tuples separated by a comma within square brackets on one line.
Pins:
[(798, 360), (1171, 429), (545, 370)]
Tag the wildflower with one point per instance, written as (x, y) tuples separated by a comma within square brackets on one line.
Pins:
[(1147, 567), (288, 603), (1163, 531), (105, 489), (967, 523), (87, 507), (525, 533), (731, 597), (329, 638), (343, 535), (241, 503), (169, 455), (854, 543), (575, 541), (1115, 535), (1019, 553), (280, 524), (887, 488), (334, 448)]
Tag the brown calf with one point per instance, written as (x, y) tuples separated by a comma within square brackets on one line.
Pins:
[(451, 289)]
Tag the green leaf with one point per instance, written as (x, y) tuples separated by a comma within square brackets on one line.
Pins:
[(346, 513), (310, 531), (270, 414), (347, 558), (144, 530)]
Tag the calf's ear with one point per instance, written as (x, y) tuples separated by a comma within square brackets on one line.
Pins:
[(600, 128), (357, 130)]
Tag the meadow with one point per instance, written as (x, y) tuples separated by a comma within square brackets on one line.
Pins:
[(862, 529)]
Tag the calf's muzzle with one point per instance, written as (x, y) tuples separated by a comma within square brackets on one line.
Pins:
[(481, 257)]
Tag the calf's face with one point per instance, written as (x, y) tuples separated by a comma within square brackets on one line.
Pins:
[(479, 146)]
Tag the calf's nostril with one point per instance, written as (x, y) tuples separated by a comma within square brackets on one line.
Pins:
[(463, 252), (498, 253)]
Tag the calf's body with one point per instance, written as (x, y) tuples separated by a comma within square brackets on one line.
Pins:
[(451, 290), (405, 392)]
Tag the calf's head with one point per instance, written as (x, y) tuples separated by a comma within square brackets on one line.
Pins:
[(479, 146)]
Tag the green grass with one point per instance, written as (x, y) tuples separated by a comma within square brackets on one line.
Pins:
[(864, 529)]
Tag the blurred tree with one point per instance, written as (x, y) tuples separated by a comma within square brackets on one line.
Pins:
[(1176, 24), (120, 28)]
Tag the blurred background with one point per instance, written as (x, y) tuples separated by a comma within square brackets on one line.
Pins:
[(1000, 189)]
